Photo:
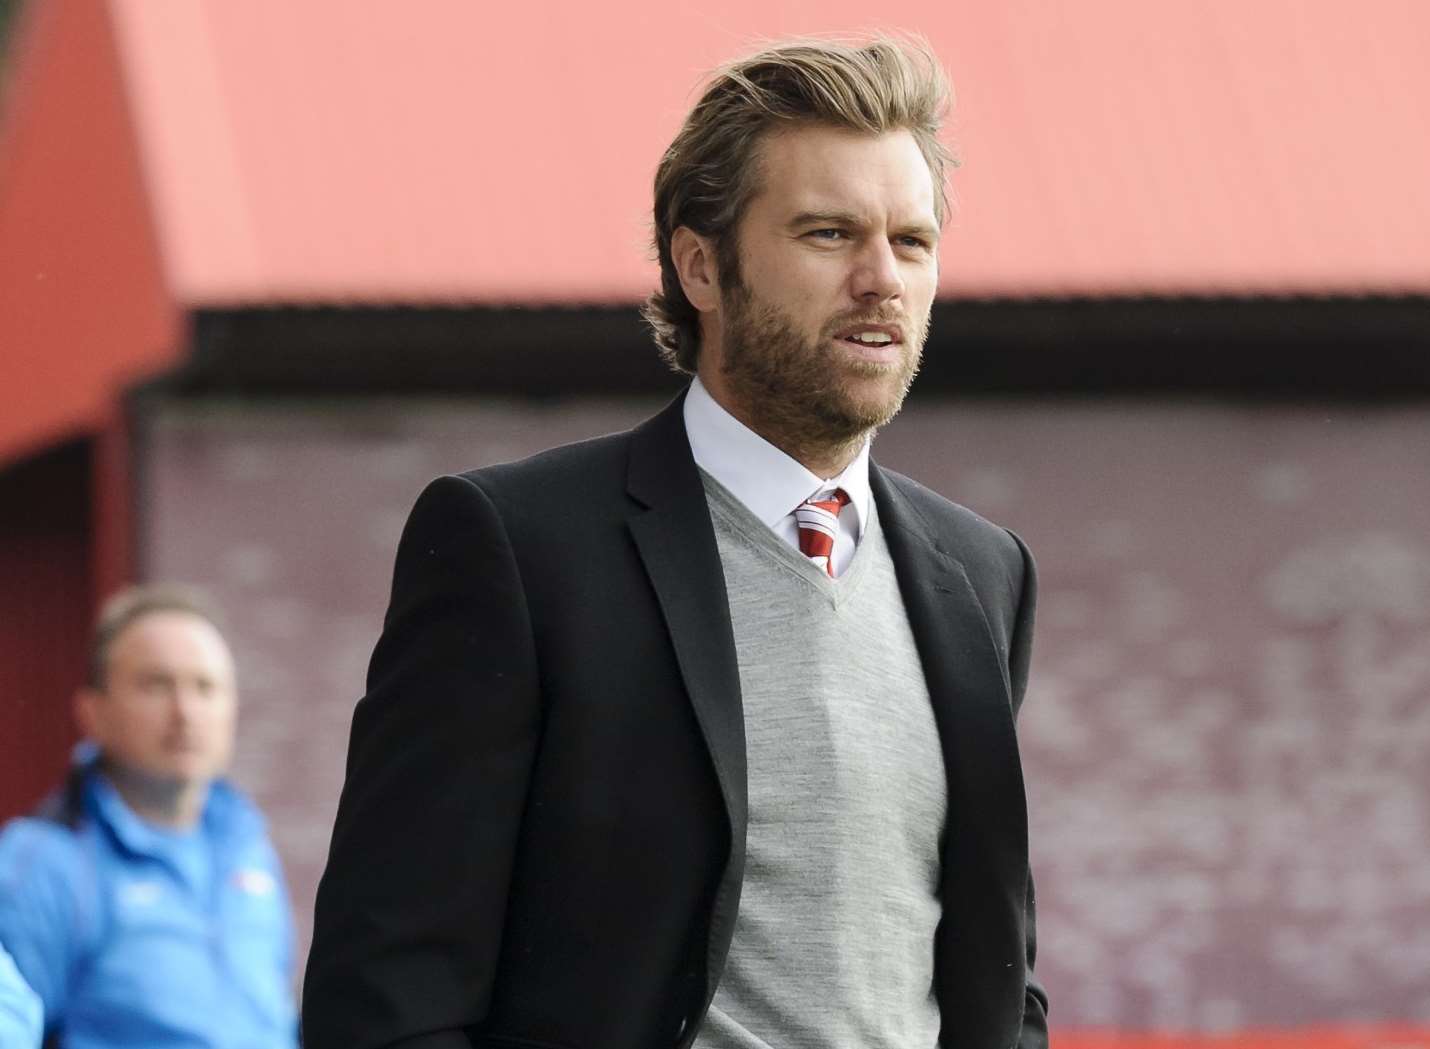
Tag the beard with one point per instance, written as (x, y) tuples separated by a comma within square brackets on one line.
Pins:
[(798, 395)]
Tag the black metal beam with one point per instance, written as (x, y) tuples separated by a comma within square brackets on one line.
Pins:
[(1291, 347)]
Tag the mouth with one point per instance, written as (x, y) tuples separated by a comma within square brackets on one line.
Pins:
[(875, 336), (872, 343)]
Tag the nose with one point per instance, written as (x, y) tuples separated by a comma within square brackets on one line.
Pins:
[(876, 277), (187, 702)]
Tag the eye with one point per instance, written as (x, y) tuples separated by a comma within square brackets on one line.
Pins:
[(912, 241), (827, 234), (157, 685)]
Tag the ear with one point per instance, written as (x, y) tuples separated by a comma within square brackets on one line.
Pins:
[(86, 711), (694, 258)]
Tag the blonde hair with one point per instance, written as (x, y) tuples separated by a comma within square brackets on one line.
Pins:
[(710, 172)]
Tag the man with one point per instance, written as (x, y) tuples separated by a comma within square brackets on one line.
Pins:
[(702, 734), (144, 903)]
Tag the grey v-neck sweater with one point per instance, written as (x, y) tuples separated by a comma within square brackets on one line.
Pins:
[(833, 943)]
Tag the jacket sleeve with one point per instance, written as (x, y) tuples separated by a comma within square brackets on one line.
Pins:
[(1035, 999), (42, 920), (21, 1014), (408, 921)]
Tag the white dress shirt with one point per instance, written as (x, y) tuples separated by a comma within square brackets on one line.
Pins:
[(770, 483)]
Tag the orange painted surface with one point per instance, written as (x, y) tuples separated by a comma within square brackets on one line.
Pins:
[(158, 155), (492, 152), (83, 310), (1307, 1038)]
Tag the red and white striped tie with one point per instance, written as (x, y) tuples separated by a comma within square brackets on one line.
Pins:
[(818, 521)]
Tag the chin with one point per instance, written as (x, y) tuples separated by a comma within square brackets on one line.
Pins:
[(188, 773), (870, 403)]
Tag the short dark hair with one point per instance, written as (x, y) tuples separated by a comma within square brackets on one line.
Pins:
[(133, 603), (709, 174)]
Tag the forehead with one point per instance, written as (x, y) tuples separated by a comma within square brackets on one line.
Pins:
[(173, 637), (821, 169)]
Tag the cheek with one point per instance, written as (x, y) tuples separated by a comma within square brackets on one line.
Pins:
[(143, 724), (138, 739), (814, 302), (222, 725), (798, 277), (920, 278)]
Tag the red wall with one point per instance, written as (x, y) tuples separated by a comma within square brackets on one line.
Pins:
[(83, 315), (47, 599), (84, 310)]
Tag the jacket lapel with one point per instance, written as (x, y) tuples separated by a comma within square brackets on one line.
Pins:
[(980, 962), (676, 541), (968, 687)]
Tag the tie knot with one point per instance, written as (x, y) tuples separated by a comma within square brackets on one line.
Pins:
[(829, 502), (818, 520)]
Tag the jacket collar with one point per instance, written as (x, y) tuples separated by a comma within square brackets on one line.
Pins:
[(227, 815)]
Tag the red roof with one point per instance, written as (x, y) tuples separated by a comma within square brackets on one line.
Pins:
[(451, 150), (161, 155)]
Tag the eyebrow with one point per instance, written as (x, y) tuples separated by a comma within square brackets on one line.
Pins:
[(814, 218), (848, 218)]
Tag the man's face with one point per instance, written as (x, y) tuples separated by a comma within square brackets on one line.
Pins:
[(823, 331), (167, 706)]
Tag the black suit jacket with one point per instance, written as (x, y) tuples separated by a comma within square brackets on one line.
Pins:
[(541, 838)]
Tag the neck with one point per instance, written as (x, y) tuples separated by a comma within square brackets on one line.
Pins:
[(175, 804), (820, 450), (824, 460)]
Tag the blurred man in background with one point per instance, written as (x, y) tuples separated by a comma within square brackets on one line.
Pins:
[(143, 902)]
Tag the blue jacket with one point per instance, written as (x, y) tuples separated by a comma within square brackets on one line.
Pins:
[(133, 935), (20, 1015)]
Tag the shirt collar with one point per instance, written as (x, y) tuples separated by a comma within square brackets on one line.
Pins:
[(137, 834), (226, 813), (765, 479)]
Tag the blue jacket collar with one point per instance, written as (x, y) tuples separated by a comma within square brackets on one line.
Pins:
[(228, 815)]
